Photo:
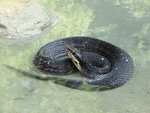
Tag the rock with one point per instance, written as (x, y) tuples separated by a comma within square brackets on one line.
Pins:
[(23, 19)]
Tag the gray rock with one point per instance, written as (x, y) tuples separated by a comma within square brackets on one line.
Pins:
[(23, 19)]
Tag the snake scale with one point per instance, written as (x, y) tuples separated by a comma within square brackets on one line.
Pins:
[(105, 65)]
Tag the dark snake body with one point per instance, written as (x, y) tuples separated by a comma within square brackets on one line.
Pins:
[(52, 58)]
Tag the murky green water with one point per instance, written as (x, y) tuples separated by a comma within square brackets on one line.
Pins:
[(124, 23)]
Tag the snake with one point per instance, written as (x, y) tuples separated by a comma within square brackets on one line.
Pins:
[(102, 65)]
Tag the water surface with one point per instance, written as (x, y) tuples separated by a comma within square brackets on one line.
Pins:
[(124, 23)]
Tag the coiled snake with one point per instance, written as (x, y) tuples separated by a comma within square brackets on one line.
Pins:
[(106, 65)]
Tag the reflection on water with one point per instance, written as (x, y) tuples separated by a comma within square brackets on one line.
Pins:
[(124, 23)]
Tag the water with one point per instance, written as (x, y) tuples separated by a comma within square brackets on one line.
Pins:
[(124, 23)]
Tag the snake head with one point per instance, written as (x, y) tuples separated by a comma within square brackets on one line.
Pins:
[(75, 57)]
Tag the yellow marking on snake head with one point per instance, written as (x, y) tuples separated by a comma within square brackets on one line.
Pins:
[(73, 58)]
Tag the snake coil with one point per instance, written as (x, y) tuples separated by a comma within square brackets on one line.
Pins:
[(106, 65)]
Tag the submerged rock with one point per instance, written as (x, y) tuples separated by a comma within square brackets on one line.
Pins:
[(23, 19)]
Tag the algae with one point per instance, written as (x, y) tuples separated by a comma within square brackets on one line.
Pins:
[(124, 23)]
